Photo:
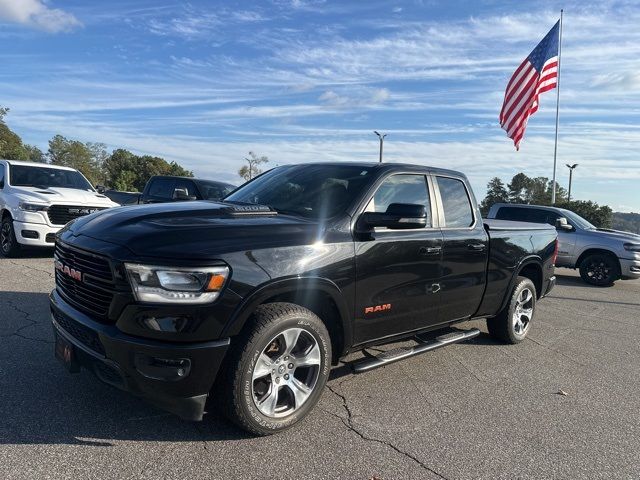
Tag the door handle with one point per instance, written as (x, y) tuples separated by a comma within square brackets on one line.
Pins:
[(478, 247), (430, 250)]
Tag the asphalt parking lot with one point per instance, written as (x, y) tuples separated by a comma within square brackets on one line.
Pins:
[(563, 404)]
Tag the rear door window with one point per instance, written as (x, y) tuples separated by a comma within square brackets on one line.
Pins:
[(162, 188), (520, 214), (187, 185), (458, 212), (1, 175)]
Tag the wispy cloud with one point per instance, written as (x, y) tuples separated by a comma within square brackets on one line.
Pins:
[(306, 80), (37, 14)]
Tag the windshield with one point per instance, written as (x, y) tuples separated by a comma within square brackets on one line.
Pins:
[(311, 191), (578, 220), (214, 190), (43, 177)]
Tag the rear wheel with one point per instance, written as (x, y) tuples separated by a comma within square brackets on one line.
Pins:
[(599, 269), (513, 323), (278, 369), (9, 246)]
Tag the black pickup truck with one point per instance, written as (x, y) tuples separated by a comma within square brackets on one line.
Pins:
[(166, 188), (248, 302)]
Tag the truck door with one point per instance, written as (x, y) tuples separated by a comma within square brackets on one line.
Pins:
[(397, 271), (566, 240), (464, 252)]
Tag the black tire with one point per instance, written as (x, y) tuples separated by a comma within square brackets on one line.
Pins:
[(600, 269), (9, 246), (238, 390), (509, 325)]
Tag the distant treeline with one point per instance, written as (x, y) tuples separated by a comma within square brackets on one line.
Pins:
[(120, 169), (629, 222), (537, 191)]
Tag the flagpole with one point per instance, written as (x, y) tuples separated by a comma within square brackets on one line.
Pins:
[(555, 148)]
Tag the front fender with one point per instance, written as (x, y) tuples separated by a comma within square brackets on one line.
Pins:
[(302, 286)]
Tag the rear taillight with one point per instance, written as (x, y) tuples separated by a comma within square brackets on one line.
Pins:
[(555, 251)]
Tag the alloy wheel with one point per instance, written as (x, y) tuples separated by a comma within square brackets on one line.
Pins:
[(286, 373), (599, 271), (523, 312), (5, 237)]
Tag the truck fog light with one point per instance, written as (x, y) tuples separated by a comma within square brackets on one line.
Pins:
[(29, 234), (167, 369)]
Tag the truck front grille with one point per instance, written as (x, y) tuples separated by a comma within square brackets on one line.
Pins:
[(84, 279), (62, 214)]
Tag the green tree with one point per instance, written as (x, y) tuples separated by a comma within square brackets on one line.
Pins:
[(518, 188), (126, 171), (11, 146), (252, 169), (74, 154), (120, 170), (496, 193), (34, 154), (599, 215)]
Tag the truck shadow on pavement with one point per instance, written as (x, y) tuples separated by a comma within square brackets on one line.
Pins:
[(571, 281), (40, 403)]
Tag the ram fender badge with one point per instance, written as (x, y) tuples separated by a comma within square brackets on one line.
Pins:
[(377, 308)]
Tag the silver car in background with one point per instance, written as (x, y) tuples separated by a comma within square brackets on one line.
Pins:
[(602, 255)]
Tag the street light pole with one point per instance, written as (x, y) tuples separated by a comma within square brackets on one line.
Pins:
[(571, 167), (381, 137), (250, 162)]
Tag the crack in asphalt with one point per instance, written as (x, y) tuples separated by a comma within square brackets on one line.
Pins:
[(557, 352), (27, 316), (29, 267), (348, 422)]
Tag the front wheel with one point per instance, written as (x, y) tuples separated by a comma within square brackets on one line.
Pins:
[(513, 323), (277, 371), (9, 246), (599, 269)]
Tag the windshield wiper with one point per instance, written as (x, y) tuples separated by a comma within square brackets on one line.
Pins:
[(285, 211)]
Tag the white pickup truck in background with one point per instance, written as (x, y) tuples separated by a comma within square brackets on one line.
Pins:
[(37, 200)]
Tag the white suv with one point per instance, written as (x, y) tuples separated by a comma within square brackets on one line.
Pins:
[(37, 200)]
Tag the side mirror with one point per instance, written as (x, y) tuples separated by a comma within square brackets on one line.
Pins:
[(182, 194), (101, 188), (399, 216), (562, 224)]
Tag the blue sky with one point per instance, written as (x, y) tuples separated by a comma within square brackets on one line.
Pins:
[(204, 82)]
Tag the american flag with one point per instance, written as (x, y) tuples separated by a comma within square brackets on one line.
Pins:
[(537, 74)]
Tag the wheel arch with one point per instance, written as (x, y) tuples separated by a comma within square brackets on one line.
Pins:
[(530, 267), (321, 296), (533, 271), (598, 251)]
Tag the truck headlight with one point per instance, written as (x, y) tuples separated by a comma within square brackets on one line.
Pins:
[(156, 284), (32, 207), (632, 247)]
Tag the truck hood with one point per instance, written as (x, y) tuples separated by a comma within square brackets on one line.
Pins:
[(614, 235), (200, 229), (69, 196)]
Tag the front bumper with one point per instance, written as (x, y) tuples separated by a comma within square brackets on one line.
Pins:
[(35, 234), (114, 358), (629, 268)]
